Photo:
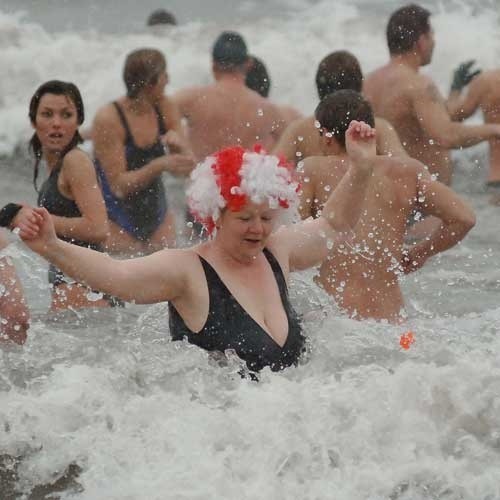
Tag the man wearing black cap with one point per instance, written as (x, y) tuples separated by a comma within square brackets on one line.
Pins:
[(226, 112)]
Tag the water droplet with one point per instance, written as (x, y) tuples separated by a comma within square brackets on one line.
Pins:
[(300, 138), (260, 112), (327, 188), (307, 179), (94, 296), (189, 224), (329, 243)]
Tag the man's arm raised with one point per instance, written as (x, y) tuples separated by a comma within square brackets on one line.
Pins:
[(155, 278), (307, 243)]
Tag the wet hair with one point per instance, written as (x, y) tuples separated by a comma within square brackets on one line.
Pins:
[(56, 87), (142, 68), (338, 71), (161, 16), (257, 77), (230, 51), (336, 111), (405, 27)]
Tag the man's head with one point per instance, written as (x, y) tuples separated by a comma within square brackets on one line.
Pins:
[(337, 71), (257, 77), (161, 17), (229, 53), (336, 111), (409, 30)]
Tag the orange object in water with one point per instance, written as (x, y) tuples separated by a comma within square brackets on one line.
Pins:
[(406, 340)]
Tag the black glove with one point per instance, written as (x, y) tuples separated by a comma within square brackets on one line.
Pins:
[(463, 76)]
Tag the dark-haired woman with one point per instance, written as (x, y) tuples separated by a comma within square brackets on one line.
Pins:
[(131, 137), (71, 193)]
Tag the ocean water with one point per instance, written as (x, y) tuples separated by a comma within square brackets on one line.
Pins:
[(148, 419)]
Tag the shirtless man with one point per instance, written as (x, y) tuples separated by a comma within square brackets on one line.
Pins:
[(363, 276), (338, 70), (14, 314), (483, 93), (412, 102), (227, 113), (258, 79)]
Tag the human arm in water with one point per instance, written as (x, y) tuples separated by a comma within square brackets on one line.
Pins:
[(434, 118), (158, 277), (79, 179), (108, 136), (306, 243), (456, 216), (14, 314)]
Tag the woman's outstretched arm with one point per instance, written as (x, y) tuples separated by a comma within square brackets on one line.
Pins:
[(155, 278)]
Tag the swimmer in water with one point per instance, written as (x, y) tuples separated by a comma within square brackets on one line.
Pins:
[(230, 292), (71, 192), (137, 138), (227, 112), (339, 70), (484, 94), (411, 101), (258, 79), (363, 276)]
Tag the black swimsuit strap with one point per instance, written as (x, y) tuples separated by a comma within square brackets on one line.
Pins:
[(161, 122), (124, 122), (211, 273), (128, 134)]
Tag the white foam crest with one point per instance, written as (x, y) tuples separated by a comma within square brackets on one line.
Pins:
[(94, 61)]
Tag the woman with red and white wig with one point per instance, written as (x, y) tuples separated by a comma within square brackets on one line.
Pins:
[(230, 291)]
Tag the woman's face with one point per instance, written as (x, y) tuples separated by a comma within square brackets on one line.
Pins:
[(246, 232), (56, 122)]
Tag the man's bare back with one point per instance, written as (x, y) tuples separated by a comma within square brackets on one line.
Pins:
[(301, 139), (364, 281), (393, 91), (227, 113), (363, 275)]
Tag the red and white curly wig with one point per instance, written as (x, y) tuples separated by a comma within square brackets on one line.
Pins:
[(233, 177)]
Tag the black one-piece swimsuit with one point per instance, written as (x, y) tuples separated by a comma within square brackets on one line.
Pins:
[(229, 326)]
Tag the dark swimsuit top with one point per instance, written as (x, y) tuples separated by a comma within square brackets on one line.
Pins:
[(139, 213), (56, 203), (229, 326)]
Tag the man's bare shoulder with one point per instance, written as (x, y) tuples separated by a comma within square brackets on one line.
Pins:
[(302, 127), (401, 166), (423, 87), (487, 81), (316, 166), (190, 94)]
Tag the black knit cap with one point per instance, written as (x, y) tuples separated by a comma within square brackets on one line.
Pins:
[(230, 49)]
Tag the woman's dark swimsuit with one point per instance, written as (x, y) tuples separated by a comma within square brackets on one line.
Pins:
[(229, 326), (142, 212), (56, 203)]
